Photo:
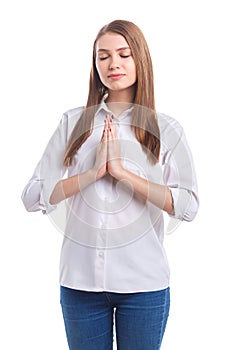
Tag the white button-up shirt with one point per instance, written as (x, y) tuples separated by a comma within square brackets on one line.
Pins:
[(113, 238)]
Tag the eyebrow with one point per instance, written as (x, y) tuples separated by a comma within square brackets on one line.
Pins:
[(120, 49)]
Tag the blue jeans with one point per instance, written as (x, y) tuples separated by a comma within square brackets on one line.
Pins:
[(140, 319)]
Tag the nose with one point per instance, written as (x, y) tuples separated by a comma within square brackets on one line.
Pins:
[(114, 63)]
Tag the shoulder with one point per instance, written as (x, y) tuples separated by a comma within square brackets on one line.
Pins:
[(171, 131), (73, 114), (168, 123), (70, 118)]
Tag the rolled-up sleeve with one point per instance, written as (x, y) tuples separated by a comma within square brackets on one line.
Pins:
[(179, 173), (48, 172)]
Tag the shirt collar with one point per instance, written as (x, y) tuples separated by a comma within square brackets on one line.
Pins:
[(103, 107), (103, 110)]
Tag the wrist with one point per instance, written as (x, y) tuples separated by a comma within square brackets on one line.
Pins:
[(119, 173), (93, 174), (97, 173)]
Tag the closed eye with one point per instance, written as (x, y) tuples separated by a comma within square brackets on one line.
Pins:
[(105, 57)]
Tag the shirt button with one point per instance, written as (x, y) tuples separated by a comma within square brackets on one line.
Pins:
[(101, 254)]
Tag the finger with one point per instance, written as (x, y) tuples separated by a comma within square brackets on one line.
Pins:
[(105, 131), (113, 130), (109, 118), (107, 125)]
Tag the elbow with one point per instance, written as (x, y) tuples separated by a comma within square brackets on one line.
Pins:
[(31, 197), (29, 205), (192, 209), (190, 215)]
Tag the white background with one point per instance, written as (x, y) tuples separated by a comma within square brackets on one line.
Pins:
[(46, 49)]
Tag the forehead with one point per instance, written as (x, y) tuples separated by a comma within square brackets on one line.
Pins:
[(111, 41)]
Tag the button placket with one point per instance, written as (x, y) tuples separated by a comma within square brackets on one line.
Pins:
[(101, 245)]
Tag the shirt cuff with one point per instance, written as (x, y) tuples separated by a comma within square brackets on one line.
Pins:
[(181, 201), (46, 191)]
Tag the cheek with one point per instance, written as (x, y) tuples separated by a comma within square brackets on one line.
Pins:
[(100, 69), (133, 73)]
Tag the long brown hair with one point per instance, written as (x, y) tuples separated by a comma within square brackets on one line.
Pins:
[(144, 121)]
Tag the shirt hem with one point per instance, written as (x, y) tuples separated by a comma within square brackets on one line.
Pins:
[(109, 290)]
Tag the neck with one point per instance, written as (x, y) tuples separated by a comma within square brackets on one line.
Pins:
[(117, 108), (119, 101)]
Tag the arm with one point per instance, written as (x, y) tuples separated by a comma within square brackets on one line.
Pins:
[(50, 169), (179, 196), (69, 187), (179, 170), (159, 195)]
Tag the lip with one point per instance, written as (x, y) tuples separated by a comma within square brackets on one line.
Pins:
[(116, 76)]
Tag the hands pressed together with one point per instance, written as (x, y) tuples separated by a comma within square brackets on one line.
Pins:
[(108, 154)]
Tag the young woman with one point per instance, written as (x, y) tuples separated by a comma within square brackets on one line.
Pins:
[(110, 171)]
